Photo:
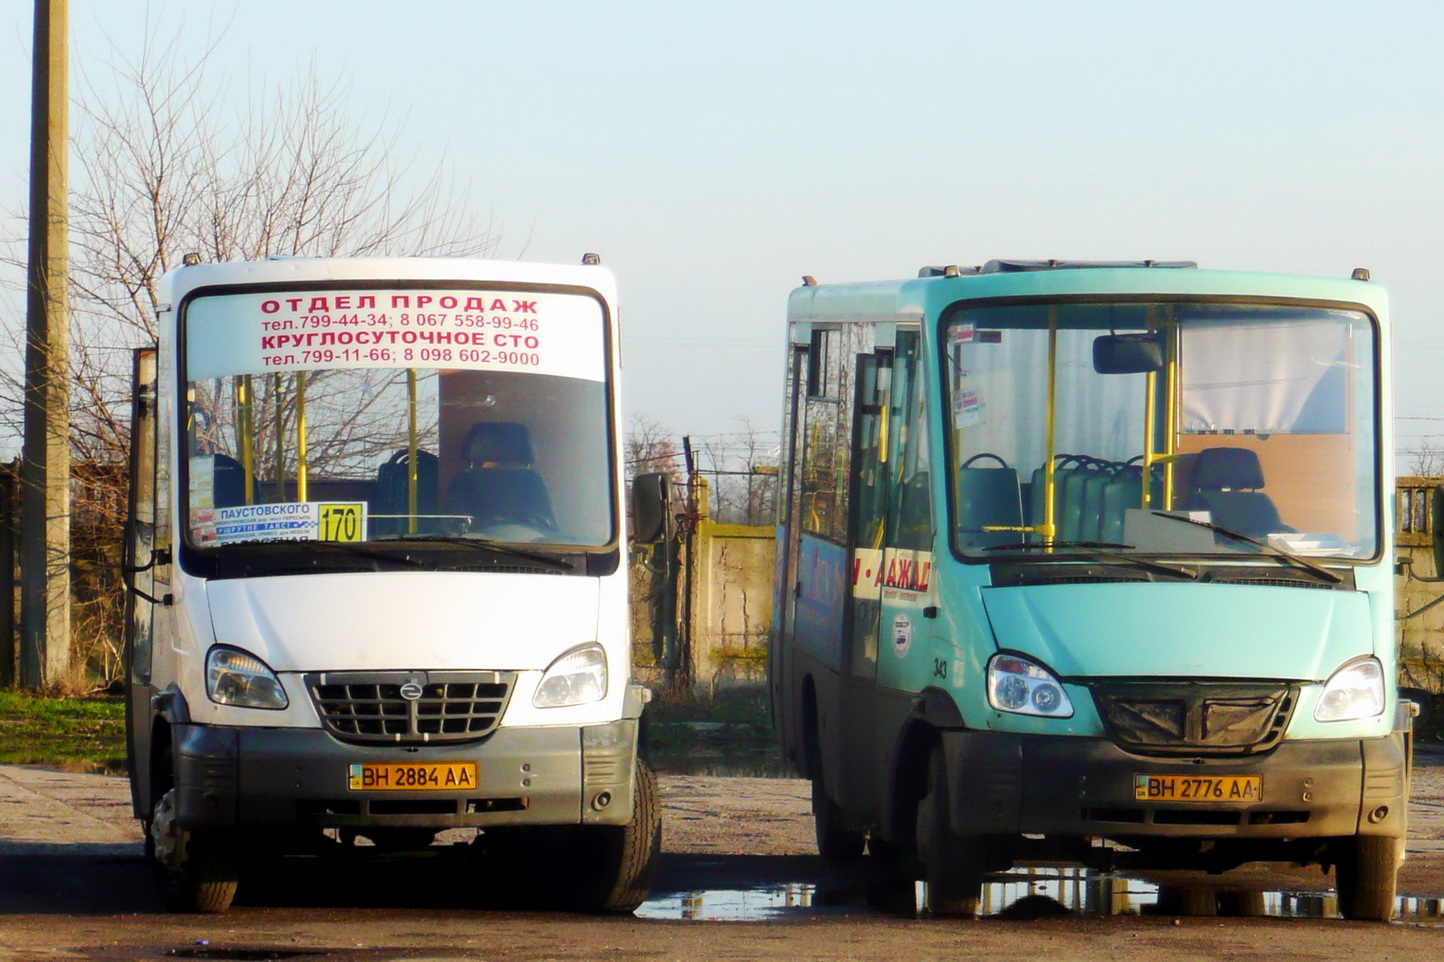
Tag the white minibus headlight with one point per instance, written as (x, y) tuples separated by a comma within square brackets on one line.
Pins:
[(239, 678), (1354, 691), (1023, 687), (578, 677)]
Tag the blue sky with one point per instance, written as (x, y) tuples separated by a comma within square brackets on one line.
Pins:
[(715, 153)]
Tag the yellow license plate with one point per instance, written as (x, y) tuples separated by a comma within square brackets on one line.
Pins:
[(1198, 788), (413, 777)]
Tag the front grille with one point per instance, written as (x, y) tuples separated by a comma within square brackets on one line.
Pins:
[(1195, 718), (372, 707)]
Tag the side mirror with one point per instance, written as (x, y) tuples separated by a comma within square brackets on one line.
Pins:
[(652, 518), (1127, 353), (1436, 528)]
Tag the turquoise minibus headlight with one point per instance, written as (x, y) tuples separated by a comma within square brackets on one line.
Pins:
[(239, 678), (1023, 687), (1354, 691), (578, 677)]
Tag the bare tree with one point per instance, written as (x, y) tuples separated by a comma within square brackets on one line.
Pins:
[(168, 166), (758, 492), (1427, 460), (744, 479), (650, 449)]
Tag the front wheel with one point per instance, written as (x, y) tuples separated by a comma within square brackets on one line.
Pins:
[(952, 864), (1366, 877), (626, 855), (197, 868)]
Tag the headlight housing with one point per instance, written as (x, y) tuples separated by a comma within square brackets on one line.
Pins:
[(239, 678), (578, 677), (1354, 691), (1024, 687)]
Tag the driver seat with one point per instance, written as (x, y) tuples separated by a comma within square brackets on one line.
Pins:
[(500, 483), (1227, 483)]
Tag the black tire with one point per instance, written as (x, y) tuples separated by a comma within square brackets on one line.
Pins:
[(1366, 877), (952, 864), (837, 836), (626, 855), (197, 869)]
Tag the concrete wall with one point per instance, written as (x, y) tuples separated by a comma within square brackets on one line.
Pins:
[(1421, 635), (731, 604), (700, 620)]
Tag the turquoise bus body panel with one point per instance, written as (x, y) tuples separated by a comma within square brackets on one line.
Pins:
[(1183, 630)]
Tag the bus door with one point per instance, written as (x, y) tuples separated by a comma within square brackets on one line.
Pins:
[(139, 561), (905, 578), (867, 526)]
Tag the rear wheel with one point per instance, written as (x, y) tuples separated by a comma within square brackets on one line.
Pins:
[(1366, 877), (197, 868), (952, 865), (837, 836)]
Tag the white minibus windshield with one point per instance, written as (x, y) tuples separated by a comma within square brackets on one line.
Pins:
[(370, 415)]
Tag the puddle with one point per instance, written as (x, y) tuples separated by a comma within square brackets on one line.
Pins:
[(240, 954), (733, 762), (1024, 893), (716, 749)]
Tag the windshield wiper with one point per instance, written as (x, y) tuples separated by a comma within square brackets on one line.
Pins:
[(500, 547), (324, 562), (1101, 550), (1049, 545), (1268, 549)]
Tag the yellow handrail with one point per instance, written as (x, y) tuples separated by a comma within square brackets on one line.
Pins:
[(411, 450), (1171, 423), (300, 435), (1169, 456), (280, 441), (247, 428), (1049, 528)]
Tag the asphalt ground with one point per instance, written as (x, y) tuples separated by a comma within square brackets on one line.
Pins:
[(74, 885)]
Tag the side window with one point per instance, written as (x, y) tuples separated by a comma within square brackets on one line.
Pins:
[(825, 438), (869, 460), (792, 440), (910, 467), (819, 359)]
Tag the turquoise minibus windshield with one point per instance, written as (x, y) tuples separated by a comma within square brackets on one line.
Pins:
[(1173, 428)]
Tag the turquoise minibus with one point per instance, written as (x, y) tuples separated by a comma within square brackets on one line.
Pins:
[(1092, 562)]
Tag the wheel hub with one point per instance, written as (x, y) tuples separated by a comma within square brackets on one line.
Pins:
[(167, 838)]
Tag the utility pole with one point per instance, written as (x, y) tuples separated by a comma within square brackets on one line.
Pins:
[(45, 469)]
